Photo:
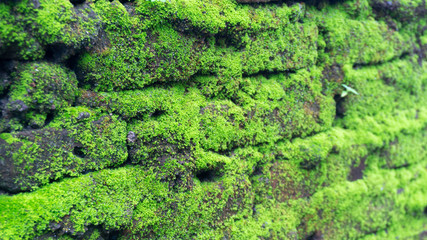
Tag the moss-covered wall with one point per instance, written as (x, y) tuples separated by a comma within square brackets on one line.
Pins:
[(213, 119)]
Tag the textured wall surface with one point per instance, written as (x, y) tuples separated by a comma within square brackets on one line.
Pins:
[(213, 119)]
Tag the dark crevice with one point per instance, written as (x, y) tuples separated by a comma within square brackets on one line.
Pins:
[(376, 64), (339, 106), (257, 171), (397, 167), (320, 4), (317, 235), (130, 145), (79, 152), (421, 51), (268, 73), (58, 53), (10, 192), (310, 164), (49, 118), (5, 93), (6, 69), (254, 210), (356, 172), (208, 175), (4, 192), (157, 113), (72, 61), (112, 235), (77, 2)]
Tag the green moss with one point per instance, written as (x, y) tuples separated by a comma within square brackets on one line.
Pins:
[(179, 122), (363, 41), (30, 25), (39, 89), (14, 36), (230, 116), (43, 87), (386, 88), (139, 56), (68, 146), (135, 61), (27, 212)]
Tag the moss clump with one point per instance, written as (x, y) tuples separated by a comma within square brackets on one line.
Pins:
[(138, 56), (43, 87), (38, 90), (32, 27), (175, 127), (79, 140), (213, 119), (55, 201), (349, 41), (14, 39), (138, 60)]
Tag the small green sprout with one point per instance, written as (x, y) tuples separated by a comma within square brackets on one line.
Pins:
[(347, 90)]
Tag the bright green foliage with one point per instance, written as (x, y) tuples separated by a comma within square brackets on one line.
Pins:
[(31, 24), (218, 120), (138, 57), (80, 140), (39, 89), (13, 34), (357, 41), (44, 87), (129, 185)]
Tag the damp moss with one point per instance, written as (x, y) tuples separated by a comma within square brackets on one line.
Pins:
[(13, 36), (68, 146), (30, 26), (139, 56), (38, 90), (229, 119), (43, 87), (362, 41), (36, 210)]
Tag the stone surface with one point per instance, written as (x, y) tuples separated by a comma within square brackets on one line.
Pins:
[(192, 119)]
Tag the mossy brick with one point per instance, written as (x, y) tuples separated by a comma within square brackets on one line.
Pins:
[(32, 27), (232, 117), (38, 90), (43, 87), (138, 56), (69, 146), (361, 41)]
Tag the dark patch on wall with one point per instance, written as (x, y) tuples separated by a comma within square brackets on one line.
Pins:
[(157, 113), (58, 52), (208, 175), (77, 2), (356, 172), (317, 235), (257, 171), (79, 152), (113, 235), (339, 106)]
